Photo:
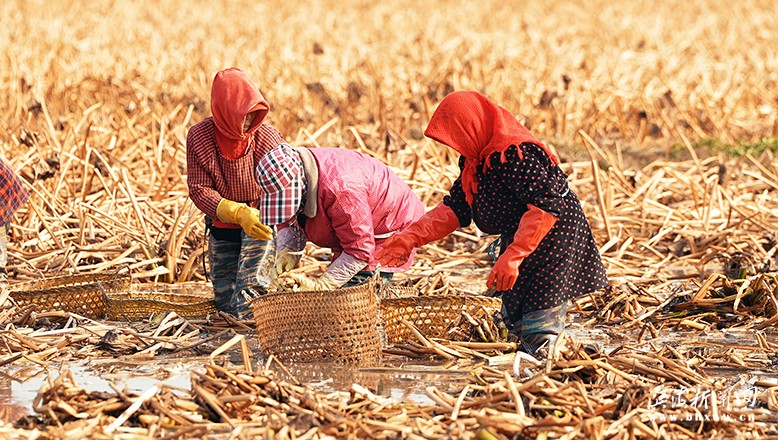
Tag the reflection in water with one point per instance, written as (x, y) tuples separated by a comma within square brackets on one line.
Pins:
[(398, 380), (10, 408), (18, 387)]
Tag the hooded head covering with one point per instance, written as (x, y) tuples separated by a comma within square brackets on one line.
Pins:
[(233, 96), (476, 127)]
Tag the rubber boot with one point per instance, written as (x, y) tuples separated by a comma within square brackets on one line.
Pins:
[(539, 331)]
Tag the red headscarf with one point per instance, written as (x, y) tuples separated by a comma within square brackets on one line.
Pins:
[(476, 127), (233, 96)]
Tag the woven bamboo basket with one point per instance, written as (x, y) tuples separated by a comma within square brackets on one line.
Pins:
[(337, 326), (139, 305), (432, 315), (393, 291), (81, 294)]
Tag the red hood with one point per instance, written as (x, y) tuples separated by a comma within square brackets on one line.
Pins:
[(233, 96), (476, 127)]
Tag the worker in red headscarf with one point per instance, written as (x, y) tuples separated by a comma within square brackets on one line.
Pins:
[(12, 196), (511, 185), (222, 152)]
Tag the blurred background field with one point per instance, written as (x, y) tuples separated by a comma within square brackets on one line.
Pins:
[(96, 99)]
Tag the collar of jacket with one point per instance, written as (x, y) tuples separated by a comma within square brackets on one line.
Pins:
[(312, 180)]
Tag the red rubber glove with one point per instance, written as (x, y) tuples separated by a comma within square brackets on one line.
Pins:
[(434, 225), (534, 225)]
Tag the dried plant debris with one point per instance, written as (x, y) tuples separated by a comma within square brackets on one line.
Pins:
[(646, 387), (585, 394), (717, 302)]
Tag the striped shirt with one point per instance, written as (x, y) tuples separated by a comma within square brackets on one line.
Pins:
[(211, 177), (12, 194)]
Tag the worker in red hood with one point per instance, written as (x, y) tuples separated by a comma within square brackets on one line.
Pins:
[(222, 152), (12, 196), (511, 185)]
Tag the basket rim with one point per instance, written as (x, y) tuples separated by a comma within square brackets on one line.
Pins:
[(123, 307), (370, 283), (138, 294), (79, 279), (112, 303), (439, 297)]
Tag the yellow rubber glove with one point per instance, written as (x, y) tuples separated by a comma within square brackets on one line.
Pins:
[(245, 216), (286, 260), (324, 282)]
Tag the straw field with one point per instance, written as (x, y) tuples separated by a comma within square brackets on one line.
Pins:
[(97, 98), (664, 113)]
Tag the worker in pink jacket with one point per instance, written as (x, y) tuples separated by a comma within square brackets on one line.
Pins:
[(335, 198)]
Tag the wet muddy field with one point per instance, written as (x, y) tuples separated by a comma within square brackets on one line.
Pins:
[(677, 370)]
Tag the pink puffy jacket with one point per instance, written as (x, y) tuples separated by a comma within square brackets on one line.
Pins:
[(360, 203)]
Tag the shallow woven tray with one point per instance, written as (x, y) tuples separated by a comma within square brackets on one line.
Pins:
[(139, 305), (81, 294), (339, 326), (432, 315)]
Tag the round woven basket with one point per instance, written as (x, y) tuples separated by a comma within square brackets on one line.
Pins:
[(82, 294), (139, 305), (432, 315), (338, 325)]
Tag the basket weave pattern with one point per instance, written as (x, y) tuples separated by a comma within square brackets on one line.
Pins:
[(432, 315), (81, 294), (391, 291), (320, 326), (139, 305)]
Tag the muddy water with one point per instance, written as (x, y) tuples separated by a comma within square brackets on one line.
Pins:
[(19, 386), (401, 380)]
